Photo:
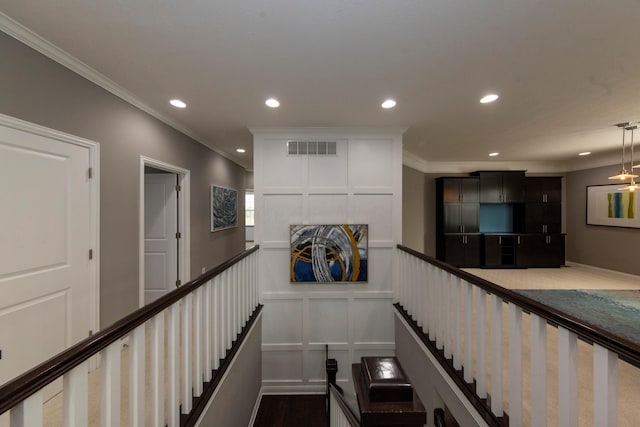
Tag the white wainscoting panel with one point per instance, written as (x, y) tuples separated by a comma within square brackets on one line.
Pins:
[(328, 208), (278, 212), (328, 321), (360, 184), (369, 162), (281, 323)]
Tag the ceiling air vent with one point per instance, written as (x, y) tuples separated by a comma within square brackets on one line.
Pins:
[(311, 148)]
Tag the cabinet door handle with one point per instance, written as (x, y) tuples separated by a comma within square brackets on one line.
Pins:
[(518, 239), (499, 240), (544, 198), (463, 228)]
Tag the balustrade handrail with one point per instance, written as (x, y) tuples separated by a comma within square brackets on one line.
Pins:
[(626, 350), (346, 409), (23, 386)]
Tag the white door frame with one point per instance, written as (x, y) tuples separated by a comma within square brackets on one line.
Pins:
[(184, 221), (94, 183)]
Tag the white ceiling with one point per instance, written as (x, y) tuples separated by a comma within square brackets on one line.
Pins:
[(566, 70)]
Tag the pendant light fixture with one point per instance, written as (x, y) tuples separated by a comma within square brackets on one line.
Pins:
[(632, 186), (623, 172)]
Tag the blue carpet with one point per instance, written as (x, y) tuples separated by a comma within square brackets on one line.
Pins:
[(615, 311)]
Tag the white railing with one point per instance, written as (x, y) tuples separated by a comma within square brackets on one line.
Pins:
[(182, 337), (458, 311)]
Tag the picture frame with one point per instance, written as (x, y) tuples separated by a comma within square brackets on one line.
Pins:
[(328, 253), (223, 204), (609, 206)]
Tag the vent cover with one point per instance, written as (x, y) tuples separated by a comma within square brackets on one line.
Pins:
[(311, 148)]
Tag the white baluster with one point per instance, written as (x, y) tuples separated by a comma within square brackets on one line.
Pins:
[(137, 376), (197, 343), (76, 396), (605, 387), (496, 356), (27, 413), (431, 302), (110, 368), (481, 343), (468, 346), (229, 288), (446, 312), (457, 329), (173, 365), (567, 378), (207, 331), (187, 376), (217, 320), (157, 370), (538, 371), (438, 309), (515, 366), (422, 292)]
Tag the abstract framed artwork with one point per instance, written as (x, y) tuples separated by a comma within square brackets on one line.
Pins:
[(329, 253), (608, 205), (224, 208)]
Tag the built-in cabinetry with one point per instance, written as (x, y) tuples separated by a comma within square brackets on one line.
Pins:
[(499, 219), (501, 187)]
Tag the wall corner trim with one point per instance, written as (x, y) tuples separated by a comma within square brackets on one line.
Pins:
[(51, 51)]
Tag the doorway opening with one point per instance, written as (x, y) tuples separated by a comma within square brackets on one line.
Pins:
[(164, 229)]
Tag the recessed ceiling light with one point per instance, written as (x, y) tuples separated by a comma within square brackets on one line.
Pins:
[(584, 153), (493, 154), (177, 103), (389, 103), (241, 150), (272, 102), (489, 98)]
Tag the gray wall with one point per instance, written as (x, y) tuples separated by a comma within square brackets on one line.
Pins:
[(413, 209), (597, 245), (39, 90), (429, 383), (236, 397)]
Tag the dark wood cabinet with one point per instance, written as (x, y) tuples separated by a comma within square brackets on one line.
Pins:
[(540, 250), (457, 213), (543, 189), (462, 250), (460, 190), (532, 216), (501, 187), (543, 209), (499, 250), (461, 218)]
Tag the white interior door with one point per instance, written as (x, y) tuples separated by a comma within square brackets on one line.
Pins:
[(45, 238), (160, 228)]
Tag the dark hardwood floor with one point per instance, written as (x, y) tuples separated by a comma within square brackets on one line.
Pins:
[(302, 410)]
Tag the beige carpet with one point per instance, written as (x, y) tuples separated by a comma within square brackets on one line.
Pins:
[(573, 277)]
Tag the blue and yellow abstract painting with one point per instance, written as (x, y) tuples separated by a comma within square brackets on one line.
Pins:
[(329, 253), (224, 208), (621, 205)]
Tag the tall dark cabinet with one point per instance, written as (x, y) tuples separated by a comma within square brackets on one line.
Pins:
[(458, 221), (499, 219)]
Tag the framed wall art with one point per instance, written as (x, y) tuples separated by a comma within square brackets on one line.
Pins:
[(608, 205), (224, 208), (329, 253)]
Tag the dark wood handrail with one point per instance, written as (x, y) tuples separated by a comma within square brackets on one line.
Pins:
[(23, 386), (346, 409), (626, 350)]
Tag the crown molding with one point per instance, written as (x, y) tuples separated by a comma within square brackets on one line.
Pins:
[(51, 51), (424, 166)]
